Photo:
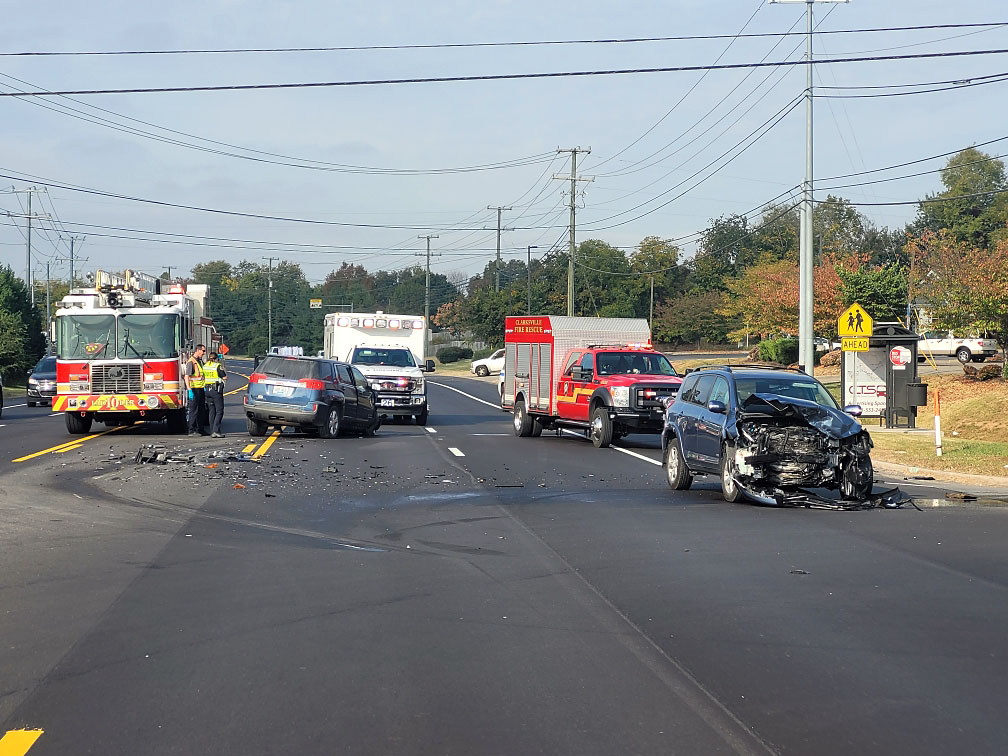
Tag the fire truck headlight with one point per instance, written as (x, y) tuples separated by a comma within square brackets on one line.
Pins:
[(621, 396), (152, 402)]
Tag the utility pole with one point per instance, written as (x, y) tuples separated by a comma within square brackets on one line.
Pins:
[(71, 259), (650, 320), (528, 269), (426, 305), (574, 178), (28, 265), (806, 257), (499, 229), (48, 301), (269, 305)]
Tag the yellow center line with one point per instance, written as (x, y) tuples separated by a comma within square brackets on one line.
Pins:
[(242, 388), (266, 444), (63, 447), (68, 448), (248, 448), (17, 742)]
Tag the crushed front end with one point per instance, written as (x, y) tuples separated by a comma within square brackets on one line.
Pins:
[(786, 444)]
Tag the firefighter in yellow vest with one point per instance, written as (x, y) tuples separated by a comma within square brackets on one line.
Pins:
[(213, 389), (194, 385)]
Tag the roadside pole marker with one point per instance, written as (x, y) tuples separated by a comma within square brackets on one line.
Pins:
[(17, 742)]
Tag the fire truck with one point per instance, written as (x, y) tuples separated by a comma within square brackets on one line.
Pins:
[(599, 376), (121, 348)]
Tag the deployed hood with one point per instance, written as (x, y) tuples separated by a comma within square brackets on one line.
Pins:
[(832, 422)]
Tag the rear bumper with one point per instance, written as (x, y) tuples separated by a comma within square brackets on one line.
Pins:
[(286, 414)]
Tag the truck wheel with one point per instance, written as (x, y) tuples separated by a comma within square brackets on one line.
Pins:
[(601, 427), (729, 488), (482, 371), (537, 428), (77, 424), (331, 428), (421, 419), (963, 355), (522, 422), (676, 472), (255, 427)]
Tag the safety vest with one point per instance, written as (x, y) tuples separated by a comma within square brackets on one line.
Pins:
[(196, 380), (210, 376)]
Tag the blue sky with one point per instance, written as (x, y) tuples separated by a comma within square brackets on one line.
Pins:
[(443, 125)]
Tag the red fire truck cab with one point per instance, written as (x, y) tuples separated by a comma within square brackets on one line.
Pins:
[(597, 375)]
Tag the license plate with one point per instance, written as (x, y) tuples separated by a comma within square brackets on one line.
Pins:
[(282, 391), (388, 402)]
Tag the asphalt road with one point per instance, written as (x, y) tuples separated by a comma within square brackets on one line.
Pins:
[(454, 589)]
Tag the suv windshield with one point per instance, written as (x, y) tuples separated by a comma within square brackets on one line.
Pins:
[(148, 336), (797, 388), (46, 365), (86, 337), (621, 363), (289, 367), (377, 356)]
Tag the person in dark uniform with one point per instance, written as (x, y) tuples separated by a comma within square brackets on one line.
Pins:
[(213, 389), (194, 385)]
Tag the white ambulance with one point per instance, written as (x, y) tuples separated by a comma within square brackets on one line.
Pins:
[(388, 350)]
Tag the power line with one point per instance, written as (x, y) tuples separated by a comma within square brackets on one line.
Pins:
[(1000, 78), (450, 45), (502, 77)]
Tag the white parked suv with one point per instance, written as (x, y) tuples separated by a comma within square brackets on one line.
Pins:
[(948, 344), (492, 364)]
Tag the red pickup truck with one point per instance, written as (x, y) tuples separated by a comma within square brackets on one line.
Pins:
[(597, 375)]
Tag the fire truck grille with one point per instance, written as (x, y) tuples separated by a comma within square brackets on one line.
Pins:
[(648, 397), (393, 384), (116, 379)]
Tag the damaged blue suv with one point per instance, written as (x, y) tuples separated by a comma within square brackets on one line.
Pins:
[(767, 432)]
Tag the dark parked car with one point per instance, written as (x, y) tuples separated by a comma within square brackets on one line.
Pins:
[(42, 382), (316, 395), (767, 433)]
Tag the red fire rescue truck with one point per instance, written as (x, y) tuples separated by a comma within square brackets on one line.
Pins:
[(121, 347), (597, 375)]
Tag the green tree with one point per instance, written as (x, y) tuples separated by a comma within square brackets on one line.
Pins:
[(22, 340), (690, 317), (974, 206), (882, 291)]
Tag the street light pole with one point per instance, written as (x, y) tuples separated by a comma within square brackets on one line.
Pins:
[(426, 305), (529, 271), (806, 258)]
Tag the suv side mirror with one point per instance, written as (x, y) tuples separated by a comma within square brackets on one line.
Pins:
[(715, 406), (32, 370), (428, 366), (854, 410)]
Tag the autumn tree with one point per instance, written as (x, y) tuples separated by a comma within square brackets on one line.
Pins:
[(974, 205), (966, 286)]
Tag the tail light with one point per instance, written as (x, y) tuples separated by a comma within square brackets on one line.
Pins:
[(312, 383), (257, 377), (980, 342)]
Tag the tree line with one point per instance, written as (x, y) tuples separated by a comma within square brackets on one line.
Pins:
[(742, 281)]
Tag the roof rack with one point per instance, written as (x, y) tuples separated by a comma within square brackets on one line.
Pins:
[(751, 366)]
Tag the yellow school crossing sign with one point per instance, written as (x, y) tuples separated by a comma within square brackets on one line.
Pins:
[(855, 328)]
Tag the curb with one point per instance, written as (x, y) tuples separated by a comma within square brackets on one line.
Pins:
[(992, 481)]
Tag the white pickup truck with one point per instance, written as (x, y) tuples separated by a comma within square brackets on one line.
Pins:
[(945, 343)]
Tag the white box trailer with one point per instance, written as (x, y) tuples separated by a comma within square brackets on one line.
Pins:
[(388, 349)]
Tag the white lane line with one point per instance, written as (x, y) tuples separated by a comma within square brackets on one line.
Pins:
[(490, 434), (573, 433), (15, 405), (55, 414), (475, 398), (431, 430), (456, 452)]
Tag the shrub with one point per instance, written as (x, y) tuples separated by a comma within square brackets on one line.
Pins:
[(784, 350), (831, 358), (453, 354)]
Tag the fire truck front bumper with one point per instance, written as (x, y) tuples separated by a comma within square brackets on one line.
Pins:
[(391, 404), (639, 421)]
